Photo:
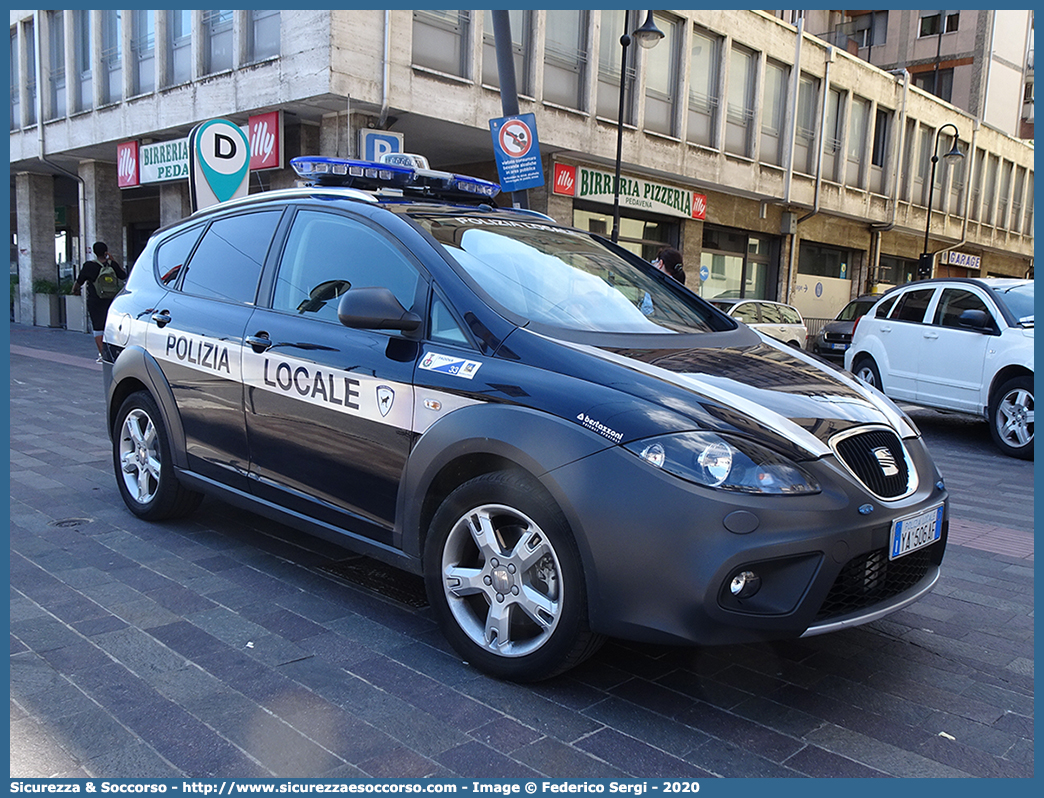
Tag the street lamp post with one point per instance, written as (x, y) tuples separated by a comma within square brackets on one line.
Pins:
[(647, 35), (927, 260)]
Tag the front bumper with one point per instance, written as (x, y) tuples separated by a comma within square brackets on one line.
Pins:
[(659, 554)]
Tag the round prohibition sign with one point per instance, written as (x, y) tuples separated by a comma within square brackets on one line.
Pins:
[(515, 138)]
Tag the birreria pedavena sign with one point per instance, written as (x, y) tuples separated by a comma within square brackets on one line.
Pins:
[(581, 182)]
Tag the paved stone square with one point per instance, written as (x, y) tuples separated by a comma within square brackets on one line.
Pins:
[(224, 645)]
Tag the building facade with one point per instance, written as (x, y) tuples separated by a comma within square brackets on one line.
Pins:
[(782, 166)]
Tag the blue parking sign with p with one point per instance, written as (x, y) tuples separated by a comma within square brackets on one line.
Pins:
[(375, 143)]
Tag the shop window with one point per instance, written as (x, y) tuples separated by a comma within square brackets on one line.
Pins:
[(823, 261), (521, 47), (179, 47), (217, 39), (773, 108), (565, 57), (143, 51), (82, 60), (740, 109), (662, 79), (112, 56), (704, 69), (738, 265), (56, 106), (614, 23), (440, 41), (263, 34), (896, 271)]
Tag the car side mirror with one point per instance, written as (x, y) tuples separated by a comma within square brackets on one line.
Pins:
[(975, 320), (375, 309)]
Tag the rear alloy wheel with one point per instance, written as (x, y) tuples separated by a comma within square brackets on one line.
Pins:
[(866, 370), (503, 575), (1011, 417), (142, 462)]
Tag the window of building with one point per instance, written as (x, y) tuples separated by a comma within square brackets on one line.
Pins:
[(565, 57), (833, 134), (262, 34), (932, 23), (953, 21), (896, 271), (440, 41), (29, 37), (56, 106), (112, 55), (879, 150), (823, 261), (704, 74), (614, 23), (866, 30), (1016, 200), (227, 263), (990, 189), (739, 265), (82, 60), (143, 51), (662, 78), (521, 49), (740, 109), (935, 81), (805, 132), (1003, 197), (1027, 224), (217, 41), (975, 209), (179, 47), (773, 107), (956, 179), (16, 100), (643, 237), (858, 125)]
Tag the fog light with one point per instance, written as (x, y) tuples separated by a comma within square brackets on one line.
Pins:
[(745, 584)]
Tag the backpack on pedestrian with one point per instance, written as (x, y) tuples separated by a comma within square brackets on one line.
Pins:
[(107, 284)]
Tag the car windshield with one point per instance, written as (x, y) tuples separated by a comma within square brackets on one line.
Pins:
[(856, 308), (565, 278), (1019, 299)]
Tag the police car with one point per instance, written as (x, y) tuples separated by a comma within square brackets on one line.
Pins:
[(567, 444)]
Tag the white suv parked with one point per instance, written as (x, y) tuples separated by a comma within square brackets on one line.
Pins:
[(955, 344)]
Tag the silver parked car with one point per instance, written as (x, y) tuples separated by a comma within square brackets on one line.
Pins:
[(782, 322), (834, 338)]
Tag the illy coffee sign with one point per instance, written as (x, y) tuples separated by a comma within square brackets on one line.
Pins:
[(127, 164), (595, 185)]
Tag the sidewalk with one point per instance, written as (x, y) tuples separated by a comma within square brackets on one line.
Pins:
[(225, 645)]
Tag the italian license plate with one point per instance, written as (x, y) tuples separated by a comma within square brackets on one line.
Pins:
[(915, 532), (842, 347)]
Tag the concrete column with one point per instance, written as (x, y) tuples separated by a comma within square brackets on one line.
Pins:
[(174, 202), (34, 203), (103, 210)]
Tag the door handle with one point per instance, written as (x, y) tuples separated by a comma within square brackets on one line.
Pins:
[(259, 342), (885, 329), (931, 334), (162, 318)]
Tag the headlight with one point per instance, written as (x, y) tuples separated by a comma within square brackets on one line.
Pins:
[(713, 461)]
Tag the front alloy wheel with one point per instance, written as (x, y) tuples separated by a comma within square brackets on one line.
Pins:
[(1011, 418), (503, 576)]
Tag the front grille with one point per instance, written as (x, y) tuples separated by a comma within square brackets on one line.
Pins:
[(871, 578), (878, 459), (837, 338)]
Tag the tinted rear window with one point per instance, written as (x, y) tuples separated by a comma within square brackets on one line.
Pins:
[(913, 304)]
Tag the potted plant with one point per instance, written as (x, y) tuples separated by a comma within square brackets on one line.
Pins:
[(48, 304), (75, 307)]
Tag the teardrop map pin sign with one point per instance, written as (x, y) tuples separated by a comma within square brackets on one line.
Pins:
[(219, 163)]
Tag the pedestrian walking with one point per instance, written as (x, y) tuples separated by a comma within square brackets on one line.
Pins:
[(104, 279), (669, 261)]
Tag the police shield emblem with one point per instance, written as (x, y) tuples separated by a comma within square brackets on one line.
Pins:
[(385, 399)]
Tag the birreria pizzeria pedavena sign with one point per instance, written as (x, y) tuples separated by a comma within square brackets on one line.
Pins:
[(581, 182)]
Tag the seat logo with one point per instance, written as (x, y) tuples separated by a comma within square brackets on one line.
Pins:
[(385, 399), (886, 460)]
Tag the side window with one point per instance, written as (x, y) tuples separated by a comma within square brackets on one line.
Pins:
[(954, 302), (327, 254), (444, 327), (790, 316), (882, 311), (913, 304), (227, 263), (770, 314), (747, 313), (172, 255)]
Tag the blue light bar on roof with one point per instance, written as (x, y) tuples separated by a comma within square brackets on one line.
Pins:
[(372, 176)]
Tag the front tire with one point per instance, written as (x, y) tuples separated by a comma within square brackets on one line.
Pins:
[(143, 465), (504, 579), (1011, 417)]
